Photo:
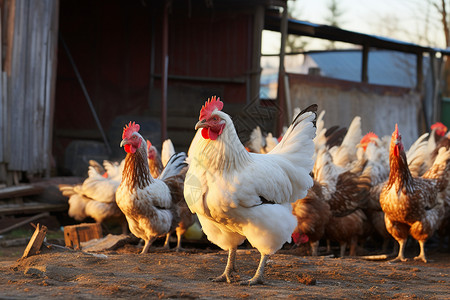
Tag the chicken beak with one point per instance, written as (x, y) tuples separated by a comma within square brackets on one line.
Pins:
[(200, 124), (123, 142)]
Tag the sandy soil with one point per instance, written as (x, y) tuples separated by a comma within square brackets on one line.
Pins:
[(124, 273)]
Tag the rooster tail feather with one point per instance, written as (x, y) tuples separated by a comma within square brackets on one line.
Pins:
[(297, 145), (176, 164), (311, 108), (440, 168), (354, 134), (167, 151), (306, 116)]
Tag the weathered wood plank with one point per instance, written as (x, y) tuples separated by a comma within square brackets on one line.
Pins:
[(11, 8), (29, 208), (20, 191), (24, 222), (36, 241), (50, 83)]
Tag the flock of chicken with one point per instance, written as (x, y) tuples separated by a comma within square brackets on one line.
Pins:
[(314, 183)]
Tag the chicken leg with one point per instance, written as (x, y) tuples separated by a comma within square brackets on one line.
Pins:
[(166, 242), (258, 278), (147, 245), (231, 266), (401, 251), (421, 256), (179, 248)]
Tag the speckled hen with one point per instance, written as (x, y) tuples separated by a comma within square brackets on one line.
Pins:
[(413, 205)]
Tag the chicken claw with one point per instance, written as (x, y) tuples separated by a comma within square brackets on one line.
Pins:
[(397, 259), (231, 263), (258, 278), (222, 278), (421, 255)]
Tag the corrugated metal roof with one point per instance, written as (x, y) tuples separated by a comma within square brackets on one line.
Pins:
[(385, 67)]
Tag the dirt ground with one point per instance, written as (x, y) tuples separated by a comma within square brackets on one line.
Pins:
[(124, 273)]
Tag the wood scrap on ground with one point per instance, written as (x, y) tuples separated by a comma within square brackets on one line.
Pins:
[(35, 244)]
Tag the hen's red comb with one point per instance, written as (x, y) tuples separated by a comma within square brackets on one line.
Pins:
[(438, 125), (149, 144), (129, 129), (210, 106), (368, 137), (441, 129)]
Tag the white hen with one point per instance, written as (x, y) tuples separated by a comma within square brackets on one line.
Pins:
[(239, 195)]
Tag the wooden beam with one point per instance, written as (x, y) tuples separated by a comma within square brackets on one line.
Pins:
[(20, 191), (24, 222), (36, 241)]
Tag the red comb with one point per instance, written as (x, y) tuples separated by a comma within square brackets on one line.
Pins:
[(368, 137), (438, 125), (395, 133), (441, 129), (210, 106), (129, 129), (149, 144)]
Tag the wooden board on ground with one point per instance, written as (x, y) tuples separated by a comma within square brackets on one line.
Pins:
[(75, 234), (36, 241), (109, 242)]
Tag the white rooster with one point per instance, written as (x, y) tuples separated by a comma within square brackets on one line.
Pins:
[(239, 195)]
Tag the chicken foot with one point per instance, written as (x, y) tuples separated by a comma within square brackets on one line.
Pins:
[(401, 251), (421, 256), (231, 266), (259, 275)]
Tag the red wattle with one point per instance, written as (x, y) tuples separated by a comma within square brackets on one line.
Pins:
[(129, 148), (205, 133), (300, 238), (396, 151)]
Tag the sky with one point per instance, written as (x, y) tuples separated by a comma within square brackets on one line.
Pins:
[(403, 20)]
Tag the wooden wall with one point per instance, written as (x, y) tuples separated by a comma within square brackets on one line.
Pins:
[(116, 45), (380, 107), (30, 35)]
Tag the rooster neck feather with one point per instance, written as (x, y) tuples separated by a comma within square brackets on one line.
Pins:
[(224, 154), (399, 173), (136, 173)]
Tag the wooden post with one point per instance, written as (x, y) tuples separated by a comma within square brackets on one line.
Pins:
[(36, 241), (281, 73), (365, 64), (419, 71), (165, 70)]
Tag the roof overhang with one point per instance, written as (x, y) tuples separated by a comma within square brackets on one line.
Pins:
[(303, 28)]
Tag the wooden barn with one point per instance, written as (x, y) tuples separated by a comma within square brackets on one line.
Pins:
[(74, 72)]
